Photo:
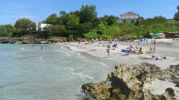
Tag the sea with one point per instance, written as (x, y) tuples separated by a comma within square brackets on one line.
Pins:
[(29, 72)]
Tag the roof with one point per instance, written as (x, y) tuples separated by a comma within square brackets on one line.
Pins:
[(129, 14)]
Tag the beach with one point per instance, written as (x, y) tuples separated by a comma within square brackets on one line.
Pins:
[(170, 51), (58, 71), (115, 55)]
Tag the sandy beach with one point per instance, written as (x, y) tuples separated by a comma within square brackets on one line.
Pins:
[(97, 49)]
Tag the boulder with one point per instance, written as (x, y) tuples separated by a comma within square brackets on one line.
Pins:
[(97, 91), (127, 81), (26, 42), (170, 94)]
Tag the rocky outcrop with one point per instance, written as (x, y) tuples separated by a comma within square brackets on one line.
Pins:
[(170, 94), (30, 40), (127, 82), (98, 91)]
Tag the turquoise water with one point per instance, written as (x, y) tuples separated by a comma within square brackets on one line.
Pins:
[(29, 73)]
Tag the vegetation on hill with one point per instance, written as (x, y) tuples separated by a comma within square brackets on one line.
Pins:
[(84, 23), (6, 30)]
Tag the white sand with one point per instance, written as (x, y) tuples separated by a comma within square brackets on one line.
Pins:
[(156, 87), (115, 55)]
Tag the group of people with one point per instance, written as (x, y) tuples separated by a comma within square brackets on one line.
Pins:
[(127, 51), (133, 49), (109, 48)]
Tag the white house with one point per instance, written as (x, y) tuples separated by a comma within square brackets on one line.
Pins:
[(129, 17), (41, 26)]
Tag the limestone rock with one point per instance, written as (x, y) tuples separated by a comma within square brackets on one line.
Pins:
[(127, 82), (26, 42), (98, 91), (170, 94)]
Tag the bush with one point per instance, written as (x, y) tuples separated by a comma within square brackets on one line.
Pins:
[(20, 33), (91, 35)]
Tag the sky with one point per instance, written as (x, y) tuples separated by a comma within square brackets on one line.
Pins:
[(38, 10)]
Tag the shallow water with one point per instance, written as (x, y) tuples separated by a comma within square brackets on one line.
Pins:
[(29, 73)]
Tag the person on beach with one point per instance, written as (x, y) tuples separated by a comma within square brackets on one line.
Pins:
[(159, 58), (154, 49), (108, 50), (140, 50), (151, 50), (155, 42)]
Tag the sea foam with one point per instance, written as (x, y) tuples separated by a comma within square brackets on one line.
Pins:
[(84, 76)]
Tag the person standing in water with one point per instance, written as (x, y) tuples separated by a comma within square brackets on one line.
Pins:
[(41, 46), (108, 50)]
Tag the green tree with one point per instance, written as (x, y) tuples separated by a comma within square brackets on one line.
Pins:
[(72, 20), (176, 16), (63, 13), (112, 20), (52, 19), (6, 30), (91, 35), (84, 28), (88, 13), (178, 8), (104, 20), (109, 20), (56, 30), (152, 21), (96, 22), (25, 24)]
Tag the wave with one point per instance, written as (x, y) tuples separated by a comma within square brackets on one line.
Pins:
[(61, 47), (84, 76), (80, 56), (102, 64), (66, 53), (22, 49), (58, 50), (72, 69)]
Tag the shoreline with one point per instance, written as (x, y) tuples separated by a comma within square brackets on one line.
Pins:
[(104, 62), (98, 51), (132, 59), (29, 40)]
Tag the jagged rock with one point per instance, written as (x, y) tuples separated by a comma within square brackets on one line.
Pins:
[(134, 76), (98, 91), (172, 71), (170, 94), (45, 42), (160, 97), (4, 41), (30, 40), (149, 96), (127, 81), (26, 42)]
